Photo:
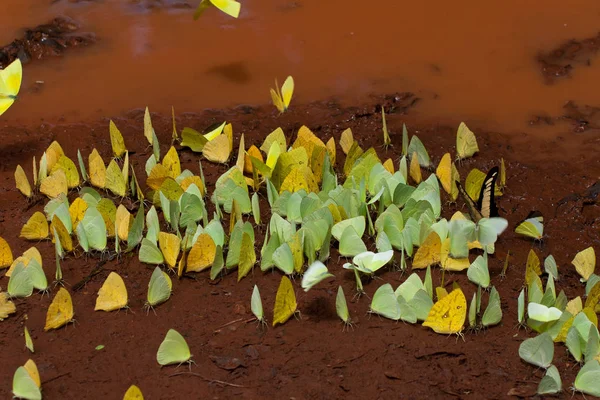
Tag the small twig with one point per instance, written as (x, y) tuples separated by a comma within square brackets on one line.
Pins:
[(233, 322), (208, 380), (55, 378), (99, 268)]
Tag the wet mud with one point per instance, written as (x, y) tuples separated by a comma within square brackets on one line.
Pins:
[(561, 61)]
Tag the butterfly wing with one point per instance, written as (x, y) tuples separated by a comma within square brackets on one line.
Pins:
[(285, 302), (173, 350)]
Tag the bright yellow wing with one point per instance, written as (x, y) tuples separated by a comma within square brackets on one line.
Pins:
[(415, 169), (285, 302), (116, 140), (67, 165), (229, 7), (65, 238), (22, 182), (97, 170), (466, 143), (171, 163), (428, 253), (6, 256), (7, 307), (447, 316), (287, 90), (55, 184), (346, 140), (10, 83), (133, 393), (36, 227), (60, 311), (123, 221), (533, 262), (202, 254), (585, 263), (77, 211), (170, 245), (33, 372), (112, 295), (53, 153)]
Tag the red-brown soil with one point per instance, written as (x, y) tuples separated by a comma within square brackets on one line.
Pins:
[(311, 357)]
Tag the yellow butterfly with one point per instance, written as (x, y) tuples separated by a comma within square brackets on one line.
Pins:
[(36, 227), (171, 163), (55, 184), (448, 175), (97, 169), (346, 140), (6, 256), (67, 165), (116, 140), (247, 256), (112, 295), (7, 307), (10, 83), (123, 221), (170, 245), (63, 234), (229, 7), (415, 168), (22, 182), (447, 316), (217, 150), (285, 302), (281, 98), (202, 254), (77, 211), (25, 258), (133, 393), (331, 150), (60, 311), (429, 252), (585, 263), (33, 372)]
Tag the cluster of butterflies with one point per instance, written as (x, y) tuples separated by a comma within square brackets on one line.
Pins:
[(309, 209), (560, 320)]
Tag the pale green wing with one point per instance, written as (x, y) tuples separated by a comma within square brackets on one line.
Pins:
[(550, 267), (538, 350), (37, 275), (218, 263), (159, 288), (551, 382), (150, 253), (417, 146), (521, 307), (588, 377), (478, 272), (341, 307), (493, 312), (136, 232), (95, 229), (256, 209), (283, 258), (173, 350), (358, 223), (488, 230), (256, 304), (350, 243), (153, 225), (315, 273), (573, 343), (541, 313), (473, 311), (385, 303), (19, 284), (24, 386)]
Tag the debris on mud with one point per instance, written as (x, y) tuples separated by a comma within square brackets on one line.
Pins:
[(46, 40), (560, 61)]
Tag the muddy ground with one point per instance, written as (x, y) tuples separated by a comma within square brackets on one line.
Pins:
[(310, 358)]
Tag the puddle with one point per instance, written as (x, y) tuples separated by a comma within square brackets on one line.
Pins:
[(474, 61)]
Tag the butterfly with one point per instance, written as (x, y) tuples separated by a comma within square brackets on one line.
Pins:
[(466, 143), (282, 97), (133, 393), (486, 204), (10, 83), (285, 302), (113, 294), (532, 226), (173, 349), (447, 316), (60, 311)]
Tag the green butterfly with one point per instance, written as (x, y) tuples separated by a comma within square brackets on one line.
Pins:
[(24, 387), (173, 350), (315, 273)]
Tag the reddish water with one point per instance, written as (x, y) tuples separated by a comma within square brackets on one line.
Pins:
[(469, 60)]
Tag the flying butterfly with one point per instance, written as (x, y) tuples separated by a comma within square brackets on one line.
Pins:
[(282, 97)]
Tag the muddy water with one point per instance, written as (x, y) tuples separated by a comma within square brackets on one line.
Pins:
[(469, 60)]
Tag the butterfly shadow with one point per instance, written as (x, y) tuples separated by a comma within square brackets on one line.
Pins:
[(235, 72)]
